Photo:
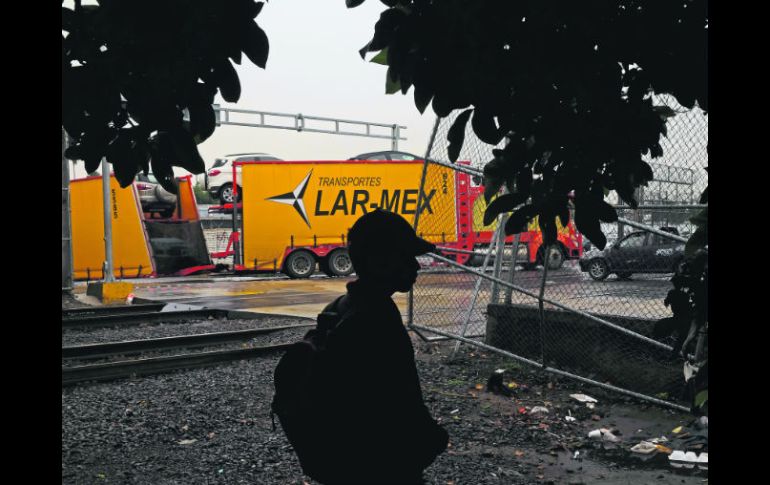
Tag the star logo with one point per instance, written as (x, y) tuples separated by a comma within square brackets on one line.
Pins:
[(295, 198)]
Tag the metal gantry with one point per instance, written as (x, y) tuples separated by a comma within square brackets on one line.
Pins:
[(299, 122)]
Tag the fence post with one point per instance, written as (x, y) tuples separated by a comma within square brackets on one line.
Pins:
[(540, 306), (508, 290), (495, 242), (66, 231), (107, 269), (500, 249)]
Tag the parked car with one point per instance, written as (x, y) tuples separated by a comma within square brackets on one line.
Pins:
[(219, 178), (638, 252), (386, 155), (154, 198)]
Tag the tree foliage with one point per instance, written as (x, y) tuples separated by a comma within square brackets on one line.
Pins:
[(567, 84), (130, 68)]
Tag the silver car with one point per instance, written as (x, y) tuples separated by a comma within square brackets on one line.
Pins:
[(154, 198)]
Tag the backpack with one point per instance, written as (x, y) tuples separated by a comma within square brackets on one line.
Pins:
[(300, 379)]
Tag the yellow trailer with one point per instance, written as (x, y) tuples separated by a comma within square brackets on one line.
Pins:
[(297, 214)]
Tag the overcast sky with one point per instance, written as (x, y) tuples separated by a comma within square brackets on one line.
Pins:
[(314, 68)]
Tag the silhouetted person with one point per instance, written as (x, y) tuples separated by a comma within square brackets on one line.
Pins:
[(384, 433)]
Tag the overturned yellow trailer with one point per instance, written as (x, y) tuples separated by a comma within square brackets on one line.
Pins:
[(141, 246)]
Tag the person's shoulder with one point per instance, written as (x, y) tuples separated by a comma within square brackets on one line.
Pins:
[(334, 305)]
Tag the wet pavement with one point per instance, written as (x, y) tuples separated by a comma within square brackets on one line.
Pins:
[(437, 290), (273, 295)]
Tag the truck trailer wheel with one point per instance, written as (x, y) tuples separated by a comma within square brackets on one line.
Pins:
[(299, 264), (555, 258), (337, 263)]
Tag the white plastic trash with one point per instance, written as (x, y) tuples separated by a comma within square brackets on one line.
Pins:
[(588, 400), (681, 459), (644, 448), (538, 410), (603, 434)]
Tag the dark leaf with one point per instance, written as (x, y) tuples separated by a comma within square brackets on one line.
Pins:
[(456, 135), (701, 217), (141, 153), (381, 57), (384, 29), (644, 172), (441, 105), (236, 57), (587, 222), (524, 181), (256, 8), (93, 147), (484, 126), (562, 211), (67, 19), (664, 112), (627, 196), (203, 121), (502, 203), (227, 80), (119, 155), (422, 97), (491, 187), (363, 50), (391, 85), (548, 227), (256, 45), (161, 154), (519, 219), (698, 240), (704, 197), (353, 3), (186, 152), (606, 212), (73, 152), (495, 168)]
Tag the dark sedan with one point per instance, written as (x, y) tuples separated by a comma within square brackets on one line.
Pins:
[(638, 252)]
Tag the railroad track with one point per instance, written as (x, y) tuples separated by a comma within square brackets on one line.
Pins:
[(156, 365), (110, 310), (160, 365), (146, 317), (127, 347)]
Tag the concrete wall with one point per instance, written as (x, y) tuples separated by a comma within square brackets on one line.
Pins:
[(584, 347)]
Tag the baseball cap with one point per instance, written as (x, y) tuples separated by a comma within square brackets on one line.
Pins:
[(386, 229)]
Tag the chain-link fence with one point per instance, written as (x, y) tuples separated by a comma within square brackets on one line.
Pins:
[(590, 313)]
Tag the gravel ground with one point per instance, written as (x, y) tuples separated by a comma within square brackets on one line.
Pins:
[(68, 302), (172, 329), (213, 425)]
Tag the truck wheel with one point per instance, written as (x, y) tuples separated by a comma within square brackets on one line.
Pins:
[(338, 262), (555, 258), (475, 261), (598, 269), (299, 264)]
